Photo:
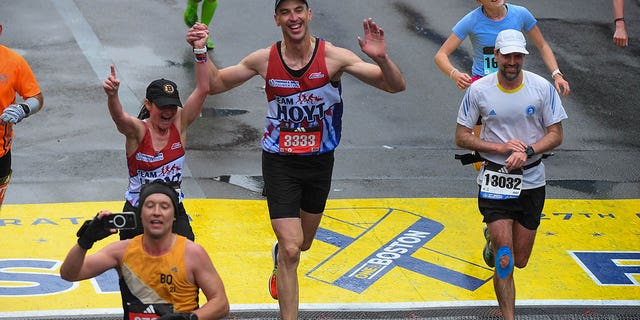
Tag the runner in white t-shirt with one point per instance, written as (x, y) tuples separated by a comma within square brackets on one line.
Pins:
[(522, 118)]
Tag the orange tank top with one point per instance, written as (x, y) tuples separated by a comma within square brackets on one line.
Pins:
[(158, 279)]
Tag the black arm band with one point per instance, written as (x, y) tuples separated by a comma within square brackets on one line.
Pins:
[(26, 109)]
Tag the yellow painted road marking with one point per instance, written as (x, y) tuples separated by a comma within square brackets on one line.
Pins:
[(366, 251)]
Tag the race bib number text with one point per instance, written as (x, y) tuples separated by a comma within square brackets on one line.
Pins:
[(500, 186), (490, 64), (300, 140)]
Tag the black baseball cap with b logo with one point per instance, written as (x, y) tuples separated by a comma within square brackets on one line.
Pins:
[(163, 93)]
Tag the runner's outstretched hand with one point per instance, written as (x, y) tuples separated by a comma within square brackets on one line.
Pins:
[(373, 43), (197, 34), (112, 83)]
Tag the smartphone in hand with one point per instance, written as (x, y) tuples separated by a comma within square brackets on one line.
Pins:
[(122, 220)]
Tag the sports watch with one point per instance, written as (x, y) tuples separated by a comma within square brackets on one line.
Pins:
[(529, 151)]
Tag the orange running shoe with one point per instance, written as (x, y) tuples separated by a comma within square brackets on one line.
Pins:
[(273, 288)]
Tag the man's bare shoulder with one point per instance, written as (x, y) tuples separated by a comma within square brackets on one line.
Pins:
[(195, 249), (338, 58), (258, 56), (338, 53), (331, 49), (121, 244), (116, 249), (257, 61)]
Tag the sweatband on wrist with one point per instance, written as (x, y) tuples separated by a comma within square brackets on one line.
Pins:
[(201, 58), (200, 54), (25, 108), (200, 50)]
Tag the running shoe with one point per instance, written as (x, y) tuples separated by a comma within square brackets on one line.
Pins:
[(487, 252), (191, 14), (210, 45), (273, 289)]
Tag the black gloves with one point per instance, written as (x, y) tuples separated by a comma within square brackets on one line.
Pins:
[(179, 316), (90, 232)]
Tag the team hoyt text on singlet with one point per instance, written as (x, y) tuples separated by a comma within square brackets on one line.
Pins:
[(304, 115), (157, 279), (148, 165), (15, 77)]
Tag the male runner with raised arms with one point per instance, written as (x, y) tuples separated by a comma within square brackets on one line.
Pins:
[(303, 126)]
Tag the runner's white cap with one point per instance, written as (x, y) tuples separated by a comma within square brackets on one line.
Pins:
[(510, 40)]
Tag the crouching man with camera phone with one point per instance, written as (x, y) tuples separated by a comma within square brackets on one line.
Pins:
[(160, 272)]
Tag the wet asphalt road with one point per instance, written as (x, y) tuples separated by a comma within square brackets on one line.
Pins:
[(394, 145)]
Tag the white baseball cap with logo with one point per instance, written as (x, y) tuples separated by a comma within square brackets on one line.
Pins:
[(511, 40)]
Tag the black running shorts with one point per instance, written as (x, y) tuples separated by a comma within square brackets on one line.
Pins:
[(527, 209), (294, 182), (5, 164)]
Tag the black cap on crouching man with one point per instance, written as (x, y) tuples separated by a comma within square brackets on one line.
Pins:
[(157, 187), (163, 93), (280, 1)]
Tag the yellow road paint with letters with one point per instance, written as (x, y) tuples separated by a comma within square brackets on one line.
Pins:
[(366, 251)]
